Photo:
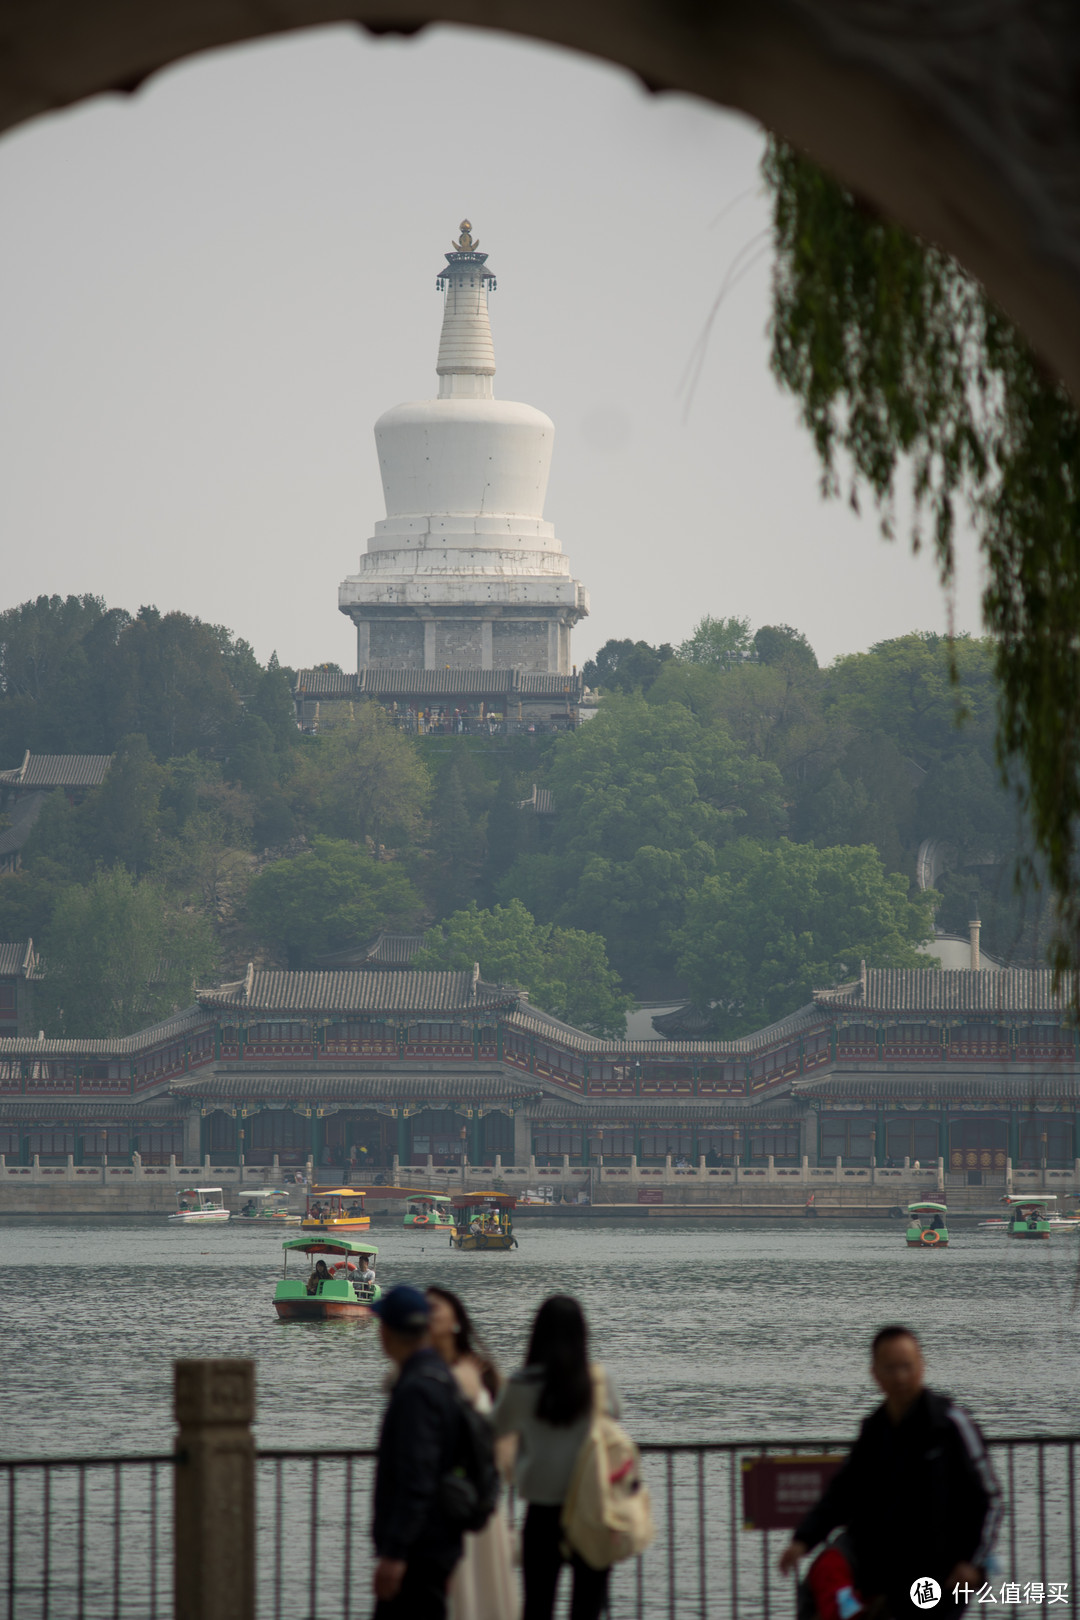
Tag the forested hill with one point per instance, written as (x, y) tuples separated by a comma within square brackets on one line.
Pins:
[(735, 823)]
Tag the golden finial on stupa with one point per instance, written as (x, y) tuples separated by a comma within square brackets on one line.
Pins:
[(466, 243)]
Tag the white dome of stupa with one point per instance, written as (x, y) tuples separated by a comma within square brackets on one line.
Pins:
[(465, 479)]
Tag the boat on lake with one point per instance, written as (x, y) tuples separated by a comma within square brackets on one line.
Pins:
[(429, 1211), (1069, 1222), (200, 1204), (335, 1209), (483, 1220), (927, 1228), (1029, 1214), (330, 1289), (269, 1208)]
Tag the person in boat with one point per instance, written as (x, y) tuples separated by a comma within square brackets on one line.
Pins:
[(249, 1208), (937, 1224), (320, 1275), (365, 1274), (355, 1208), (918, 1447)]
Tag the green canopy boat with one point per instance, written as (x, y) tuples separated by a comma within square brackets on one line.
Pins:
[(1029, 1214), (335, 1286), (927, 1229)]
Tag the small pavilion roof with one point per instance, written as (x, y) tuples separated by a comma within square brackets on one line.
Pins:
[(58, 770)]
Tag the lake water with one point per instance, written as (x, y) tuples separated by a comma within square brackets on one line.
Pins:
[(709, 1331)]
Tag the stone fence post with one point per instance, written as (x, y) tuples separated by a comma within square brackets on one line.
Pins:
[(214, 1523)]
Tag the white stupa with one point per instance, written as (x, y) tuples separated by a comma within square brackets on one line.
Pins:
[(464, 573)]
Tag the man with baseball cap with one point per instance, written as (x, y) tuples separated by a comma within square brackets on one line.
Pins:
[(416, 1546)]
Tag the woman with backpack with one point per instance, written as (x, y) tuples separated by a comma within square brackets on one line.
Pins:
[(549, 1406), (482, 1586)]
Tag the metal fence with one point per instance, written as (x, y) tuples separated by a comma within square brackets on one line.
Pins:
[(91, 1538), (86, 1538)]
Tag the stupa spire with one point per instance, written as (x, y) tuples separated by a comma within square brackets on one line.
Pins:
[(466, 362)]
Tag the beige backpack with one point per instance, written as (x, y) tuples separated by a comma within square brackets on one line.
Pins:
[(607, 1515)]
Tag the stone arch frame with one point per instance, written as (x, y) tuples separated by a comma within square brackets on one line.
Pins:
[(959, 118)]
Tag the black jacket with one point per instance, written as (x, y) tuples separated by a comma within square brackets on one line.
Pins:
[(419, 1443), (917, 1497)]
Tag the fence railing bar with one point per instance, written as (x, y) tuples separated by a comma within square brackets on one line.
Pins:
[(80, 1549), (117, 1540), (1011, 1507), (347, 1575), (703, 1588), (12, 1556), (152, 1571), (670, 1471), (314, 1539), (1041, 1469), (733, 1531), (279, 1508), (1073, 1595), (118, 1460), (46, 1542), (639, 1585)]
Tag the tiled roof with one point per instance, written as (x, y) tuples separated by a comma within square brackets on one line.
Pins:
[(436, 682), (553, 686), (17, 959), (58, 770), (393, 950), (984, 1084), (388, 1087), (535, 1022), (957, 990), (102, 1111), (635, 1111), (325, 683), (541, 802), (400, 682), (354, 991), (169, 1029), (387, 951)]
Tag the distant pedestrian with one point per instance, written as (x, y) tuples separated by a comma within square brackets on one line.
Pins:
[(917, 1494), (482, 1586), (419, 1443), (548, 1405)]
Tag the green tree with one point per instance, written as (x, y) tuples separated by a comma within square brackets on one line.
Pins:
[(564, 970), (777, 920), (780, 644), (169, 678), (363, 779), (645, 795), (118, 956), (717, 643), (626, 666), (457, 844), (335, 895), (904, 370)]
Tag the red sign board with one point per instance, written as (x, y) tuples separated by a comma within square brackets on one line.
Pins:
[(650, 1195), (778, 1492)]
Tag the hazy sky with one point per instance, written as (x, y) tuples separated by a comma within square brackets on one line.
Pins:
[(211, 290)]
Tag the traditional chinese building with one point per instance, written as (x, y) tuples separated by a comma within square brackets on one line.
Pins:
[(974, 1067)]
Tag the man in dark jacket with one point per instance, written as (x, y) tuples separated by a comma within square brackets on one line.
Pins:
[(917, 1494), (418, 1446)]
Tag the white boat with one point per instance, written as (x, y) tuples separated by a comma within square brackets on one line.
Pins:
[(269, 1207), (200, 1204)]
